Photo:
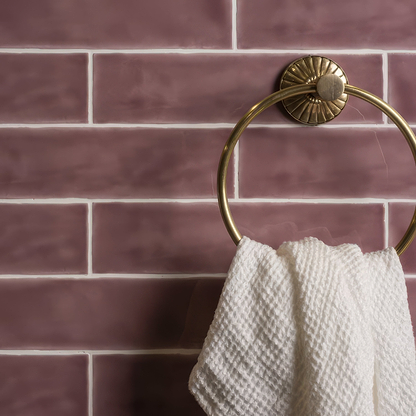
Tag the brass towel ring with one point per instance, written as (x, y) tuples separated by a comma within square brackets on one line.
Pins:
[(294, 91)]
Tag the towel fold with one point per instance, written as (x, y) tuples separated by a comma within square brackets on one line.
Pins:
[(309, 330)]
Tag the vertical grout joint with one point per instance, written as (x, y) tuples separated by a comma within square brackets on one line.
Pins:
[(90, 87), (234, 24), (90, 385), (89, 244), (385, 72)]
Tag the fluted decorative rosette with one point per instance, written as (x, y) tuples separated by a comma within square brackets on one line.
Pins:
[(309, 108)]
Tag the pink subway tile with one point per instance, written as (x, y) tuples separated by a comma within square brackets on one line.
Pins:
[(402, 85), (191, 238), (160, 238), (170, 88), (110, 163), (116, 24), (43, 88), (325, 163), (43, 239), (334, 224), (106, 313), (411, 296), (322, 24), (44, 385), (144, 385), (400, 215)]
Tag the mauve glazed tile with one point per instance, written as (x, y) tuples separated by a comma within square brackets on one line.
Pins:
[(43, 88), (44, 385), (402, 85), (107, 313), (322, 24), (116, 24), (191, 238), (334, 224), (43, 239), (144, 385), (171, 88), (110, 163), (160, 238), (411, 296), (400, 215), (325, 163)]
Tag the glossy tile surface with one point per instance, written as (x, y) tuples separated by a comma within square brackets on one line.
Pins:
[(323, 24), (169, 88), (44, 385), (110, 163), (144, 385), (43, 239), (191, 238), (325, 163), (43, 88), (402, 85), (160, 238), (113, 116), (116, 24), (400, 215), (106, 313), (333, 224)]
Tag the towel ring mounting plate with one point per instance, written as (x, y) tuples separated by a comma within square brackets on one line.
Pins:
[(312, 108), (305, 85)]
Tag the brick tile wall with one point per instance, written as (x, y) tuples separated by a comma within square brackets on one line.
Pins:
[(113, 115)]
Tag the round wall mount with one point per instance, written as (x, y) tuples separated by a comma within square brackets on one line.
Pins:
[(311, 108)]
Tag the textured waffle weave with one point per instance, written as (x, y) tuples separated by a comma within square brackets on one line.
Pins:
[(309, 329)]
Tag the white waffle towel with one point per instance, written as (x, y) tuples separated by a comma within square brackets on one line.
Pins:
[(309, 330)]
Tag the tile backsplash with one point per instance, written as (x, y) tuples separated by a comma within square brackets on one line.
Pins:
[(113, 116)]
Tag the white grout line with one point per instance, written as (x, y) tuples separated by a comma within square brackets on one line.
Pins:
[(302, 52), (133, 276), (126, 276), (43, 352), (89, 245), (122, 125), (410, 276), (234, 24), (192, 126), (167, 351), (357, 126), (90, 385), (385, 69), (386, 224), (70, 201), (56, 201), (160, 275), (68, 51), (177, 351), (324, 200), (90, 87)]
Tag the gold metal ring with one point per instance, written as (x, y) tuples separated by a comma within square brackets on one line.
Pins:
[(283, 95)]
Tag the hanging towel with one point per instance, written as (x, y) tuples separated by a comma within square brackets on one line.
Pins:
[(309, 330)]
